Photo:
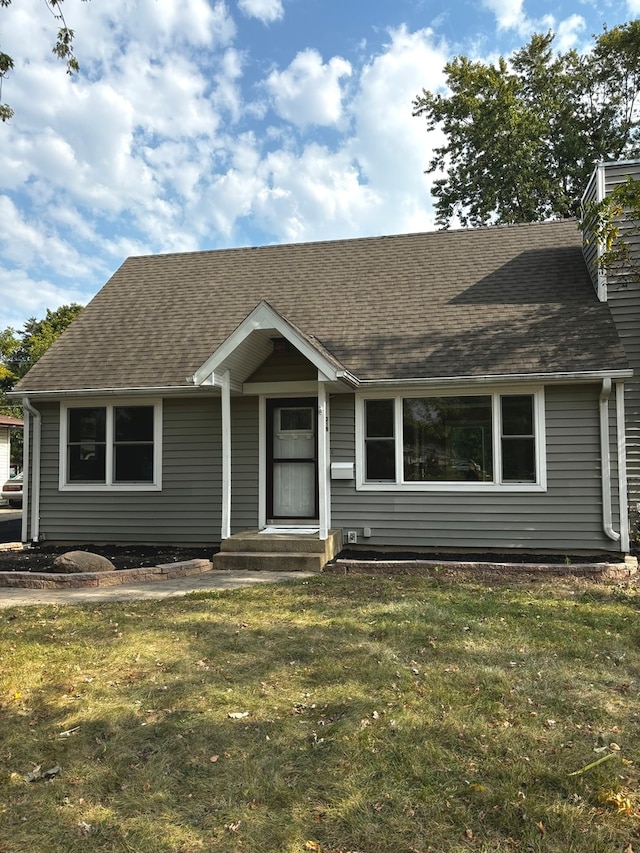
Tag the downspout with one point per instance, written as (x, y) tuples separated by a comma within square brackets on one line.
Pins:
[(623, 498), (605, 458), (24, 535), (35, 473)]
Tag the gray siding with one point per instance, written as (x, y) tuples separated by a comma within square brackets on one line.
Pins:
[(566, 518), (624, 302), (244, 465), (285, 367), (186, 511)]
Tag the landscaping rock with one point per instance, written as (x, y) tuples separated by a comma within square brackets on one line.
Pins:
[(82, 561)]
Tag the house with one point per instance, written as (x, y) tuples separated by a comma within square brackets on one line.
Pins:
[(6, 425), (460, 389)]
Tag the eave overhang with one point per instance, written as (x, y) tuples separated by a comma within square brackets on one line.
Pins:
[(499, 379)]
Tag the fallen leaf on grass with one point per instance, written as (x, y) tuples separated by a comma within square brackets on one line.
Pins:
[(233, 827), (38, 773), (540, 828), (617, 800), (214, 758)]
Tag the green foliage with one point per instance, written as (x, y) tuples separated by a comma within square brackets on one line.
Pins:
[(522, 135), (19, 351), (614, 224), (62, 48)]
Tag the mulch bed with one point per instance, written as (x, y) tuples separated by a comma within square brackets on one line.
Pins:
[(40, 558)]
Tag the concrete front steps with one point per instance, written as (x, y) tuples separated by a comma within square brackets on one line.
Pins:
[(252, 550)]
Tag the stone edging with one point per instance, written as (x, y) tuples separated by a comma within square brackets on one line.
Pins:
[(598, 571), (79, 580)]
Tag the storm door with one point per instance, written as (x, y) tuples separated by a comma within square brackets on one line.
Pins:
[(292, 459)]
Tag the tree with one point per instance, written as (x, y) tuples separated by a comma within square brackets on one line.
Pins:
[(19, 351), (62, 48), (522, 136)]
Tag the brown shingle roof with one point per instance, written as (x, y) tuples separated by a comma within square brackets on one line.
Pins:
[(481, 302)]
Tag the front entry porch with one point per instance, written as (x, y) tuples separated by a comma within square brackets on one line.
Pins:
[(257, 550)]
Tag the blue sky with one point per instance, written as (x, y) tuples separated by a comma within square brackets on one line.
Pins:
[(205, 124)]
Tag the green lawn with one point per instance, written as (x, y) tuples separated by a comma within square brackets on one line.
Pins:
[(351, 714)]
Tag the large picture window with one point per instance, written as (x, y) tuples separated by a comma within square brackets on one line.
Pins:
[(463, 440), (110, 446)]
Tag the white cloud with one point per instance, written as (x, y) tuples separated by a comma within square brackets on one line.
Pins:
[(509, 14), (392, 147), (23, 296), (568, 32), (634, 8), (308, 91), (266, 11)]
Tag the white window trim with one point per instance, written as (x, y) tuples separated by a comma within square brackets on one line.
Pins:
[(540, 485), (110, 404)]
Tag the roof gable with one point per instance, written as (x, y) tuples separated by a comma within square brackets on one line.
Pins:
[(245, 349)]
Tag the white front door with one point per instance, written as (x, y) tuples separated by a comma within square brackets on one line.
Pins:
[(292, 459)]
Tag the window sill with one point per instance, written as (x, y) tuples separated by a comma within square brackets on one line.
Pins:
[(113, 487), (477, 488)]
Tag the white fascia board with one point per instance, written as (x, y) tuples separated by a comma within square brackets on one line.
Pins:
[(263, 317), (56, 394), (504, 379)]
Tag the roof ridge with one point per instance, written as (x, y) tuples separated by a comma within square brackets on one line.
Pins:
[(478, 229)]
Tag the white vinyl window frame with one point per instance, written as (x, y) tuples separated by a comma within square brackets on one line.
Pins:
[(110, 405), (496, 485)]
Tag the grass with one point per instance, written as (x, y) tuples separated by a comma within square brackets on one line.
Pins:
[(382, 715)]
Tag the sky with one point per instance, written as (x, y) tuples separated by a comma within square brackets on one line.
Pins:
[(206, 124)]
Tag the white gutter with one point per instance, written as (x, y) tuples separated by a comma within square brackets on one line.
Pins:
[(606, 461), (155, 391), (513, 378), (623, 499), (35, 474)]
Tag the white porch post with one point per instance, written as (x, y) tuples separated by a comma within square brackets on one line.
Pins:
[(323, 463), (226, 455)]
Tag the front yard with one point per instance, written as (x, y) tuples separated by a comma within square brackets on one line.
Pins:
[(350, 714)]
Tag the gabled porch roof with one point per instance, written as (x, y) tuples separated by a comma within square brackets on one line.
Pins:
[(251, 343)]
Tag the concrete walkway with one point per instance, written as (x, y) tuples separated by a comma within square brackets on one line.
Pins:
[(217, 580)]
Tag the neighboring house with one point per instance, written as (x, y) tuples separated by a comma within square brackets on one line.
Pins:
[(6, 425), (458, 390)]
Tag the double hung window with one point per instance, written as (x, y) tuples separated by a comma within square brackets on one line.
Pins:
[(453, 441), (110, 445)]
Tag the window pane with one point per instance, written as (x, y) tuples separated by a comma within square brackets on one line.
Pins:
[(134, 423), (86, 463), (379, 418), (296, 420), (447, 439), (518, 460), (380, 459), (517, 415), (87, 424), (133, 463)]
